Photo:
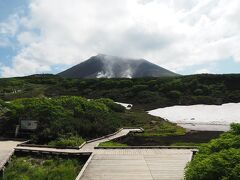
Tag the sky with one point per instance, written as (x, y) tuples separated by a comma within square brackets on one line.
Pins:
[(185, 36)]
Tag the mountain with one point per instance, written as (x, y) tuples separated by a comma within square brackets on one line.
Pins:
[(105, 66)]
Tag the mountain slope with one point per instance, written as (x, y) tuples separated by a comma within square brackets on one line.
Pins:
[(104, 66)]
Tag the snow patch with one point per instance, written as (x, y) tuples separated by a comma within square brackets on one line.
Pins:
[(127, 106), (201, 117)]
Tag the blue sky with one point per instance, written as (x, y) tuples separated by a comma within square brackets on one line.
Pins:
[(8, 8), (185, 36), (226, 66)]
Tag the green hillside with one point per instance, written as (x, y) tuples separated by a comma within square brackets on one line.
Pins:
[(145, 93), (69, 120)]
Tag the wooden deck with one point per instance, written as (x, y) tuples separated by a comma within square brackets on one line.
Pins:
[(6, 151), (88, 147), (120, 164), (137, 164)]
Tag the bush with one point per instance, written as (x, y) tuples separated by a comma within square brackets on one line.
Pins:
[(63, 115), (235, 128), (221, 165), (219, 159), (198, 92), (111, 104), (174, 94), (67, 141)]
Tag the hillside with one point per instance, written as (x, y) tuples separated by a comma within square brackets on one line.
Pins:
[(144, 93), (104, 66), (70, 119)]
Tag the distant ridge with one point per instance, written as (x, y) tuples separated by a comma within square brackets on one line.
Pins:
[(105, 66)]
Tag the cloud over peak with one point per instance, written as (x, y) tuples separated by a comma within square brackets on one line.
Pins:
[(174, 34)]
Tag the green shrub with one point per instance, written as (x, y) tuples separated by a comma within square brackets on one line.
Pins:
[(67, 141), (111, 104), (221, 165), (174, 94), (219, 159), (235, 128), (63, 115)]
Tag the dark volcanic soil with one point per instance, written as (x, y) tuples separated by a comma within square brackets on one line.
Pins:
[(190, 137)]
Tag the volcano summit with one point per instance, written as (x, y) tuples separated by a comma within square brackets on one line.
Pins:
[(105, 66)]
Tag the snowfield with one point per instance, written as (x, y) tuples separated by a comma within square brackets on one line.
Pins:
[(201, 117)]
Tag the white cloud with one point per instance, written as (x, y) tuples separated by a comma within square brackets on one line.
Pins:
[(174, 34), (10, 26), (26, 38), (8, 29)]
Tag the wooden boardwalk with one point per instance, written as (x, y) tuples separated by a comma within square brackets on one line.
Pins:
[(124, 164), (6, 151), (137, 164), (88, 147)]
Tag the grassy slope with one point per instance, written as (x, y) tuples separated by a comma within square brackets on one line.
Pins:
[(71, 118), (153, 126), (188, 139), (146, 93)]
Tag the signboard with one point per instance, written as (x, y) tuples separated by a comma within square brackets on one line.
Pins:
[(29, 125)]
